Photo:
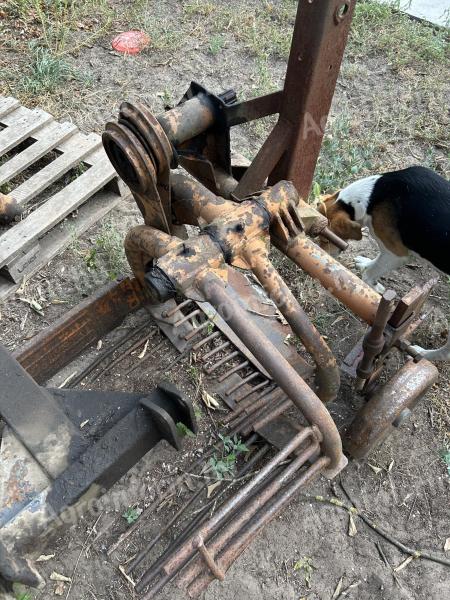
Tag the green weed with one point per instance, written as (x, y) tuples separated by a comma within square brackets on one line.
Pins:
[(131, 515), (184, 430), (306, 567), (225, 464), (216, 44), (47, 72)]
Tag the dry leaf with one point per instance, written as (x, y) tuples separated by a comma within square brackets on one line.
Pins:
[(375, 469), (60, 588), (391, 464), (210, 401), (84, 423), (99, 344), (212, 487), (67, 379), (58, 577), (352, 531), (144, 351), (45, 557), (403, 564), (338, 589), (447, 545)]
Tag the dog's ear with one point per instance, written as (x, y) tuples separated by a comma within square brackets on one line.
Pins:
[(326, 201), (345, 228)]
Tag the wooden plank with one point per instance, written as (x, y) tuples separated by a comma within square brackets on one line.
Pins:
[(20, 124), (76, 148), (22, 265), (48, 138), (59, 238), (18, 238), (7, 105)]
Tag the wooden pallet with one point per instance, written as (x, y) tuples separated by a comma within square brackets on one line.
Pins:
[(26, 246)]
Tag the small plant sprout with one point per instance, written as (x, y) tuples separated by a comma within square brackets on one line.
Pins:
[(226, 464), (184, 430), (131, 515), (445, 455), (305, 566)]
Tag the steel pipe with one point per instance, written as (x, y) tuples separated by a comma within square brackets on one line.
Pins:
[(344, 285), (327, 371)]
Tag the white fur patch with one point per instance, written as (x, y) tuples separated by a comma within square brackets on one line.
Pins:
[(357, 195)]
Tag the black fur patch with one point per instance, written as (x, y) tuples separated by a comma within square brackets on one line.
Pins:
[(421, 201), (348, 209)]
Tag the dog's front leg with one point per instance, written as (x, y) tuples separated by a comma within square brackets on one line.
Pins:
[(372, 270), (442, 353)]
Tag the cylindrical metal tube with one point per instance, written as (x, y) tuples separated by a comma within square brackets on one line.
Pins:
[(188, 119), (192, 201), (344, 285), (327, 371), (277, 366)]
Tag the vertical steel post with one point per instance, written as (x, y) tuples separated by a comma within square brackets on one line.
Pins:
[(319, 39)]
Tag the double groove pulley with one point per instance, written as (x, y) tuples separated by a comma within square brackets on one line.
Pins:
[(138, 147)]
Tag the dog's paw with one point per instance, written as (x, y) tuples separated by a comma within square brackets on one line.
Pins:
[(437, 354), (362, 262)]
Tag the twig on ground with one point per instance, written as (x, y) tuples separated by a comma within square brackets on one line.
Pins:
[(353, 510), (81, 552)]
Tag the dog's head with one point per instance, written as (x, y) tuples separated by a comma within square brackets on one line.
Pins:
[(340, 217)]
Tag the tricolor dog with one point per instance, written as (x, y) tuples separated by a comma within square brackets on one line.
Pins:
[(407, 212)]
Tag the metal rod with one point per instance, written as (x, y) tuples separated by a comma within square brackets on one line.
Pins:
[(257, 503), (194, 313), (210, 337), (215, 350), (262, 519), (327, 371), (235, 369), (107, 353), (189, 336), (166, 314), (253, 390), (128, 351), (199, 519), (239, 384), (247, 403), (221, 362), (187, 549)]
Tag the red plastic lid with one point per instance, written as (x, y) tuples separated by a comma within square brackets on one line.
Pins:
[(131, 42)]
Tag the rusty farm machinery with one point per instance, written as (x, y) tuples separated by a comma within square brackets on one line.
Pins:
[(208, 288)]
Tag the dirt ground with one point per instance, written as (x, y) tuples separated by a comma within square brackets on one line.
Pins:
[(388, 112)]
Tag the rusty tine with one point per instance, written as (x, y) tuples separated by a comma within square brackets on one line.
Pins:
[(128, 351), (146, 357), (196, 331), (247, 379), (245, 422), (281, 499), (221, 362), (187, 550), (211, 336), (235, 369), (274, 412), (88, 370), (166, 314), (194, 313), (197, 521), (254, 389), (215, 350), (244, 404), (257, 503), (140, 557)]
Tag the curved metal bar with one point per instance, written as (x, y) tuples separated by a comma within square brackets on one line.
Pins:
[(277, 366), (327, 371)]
